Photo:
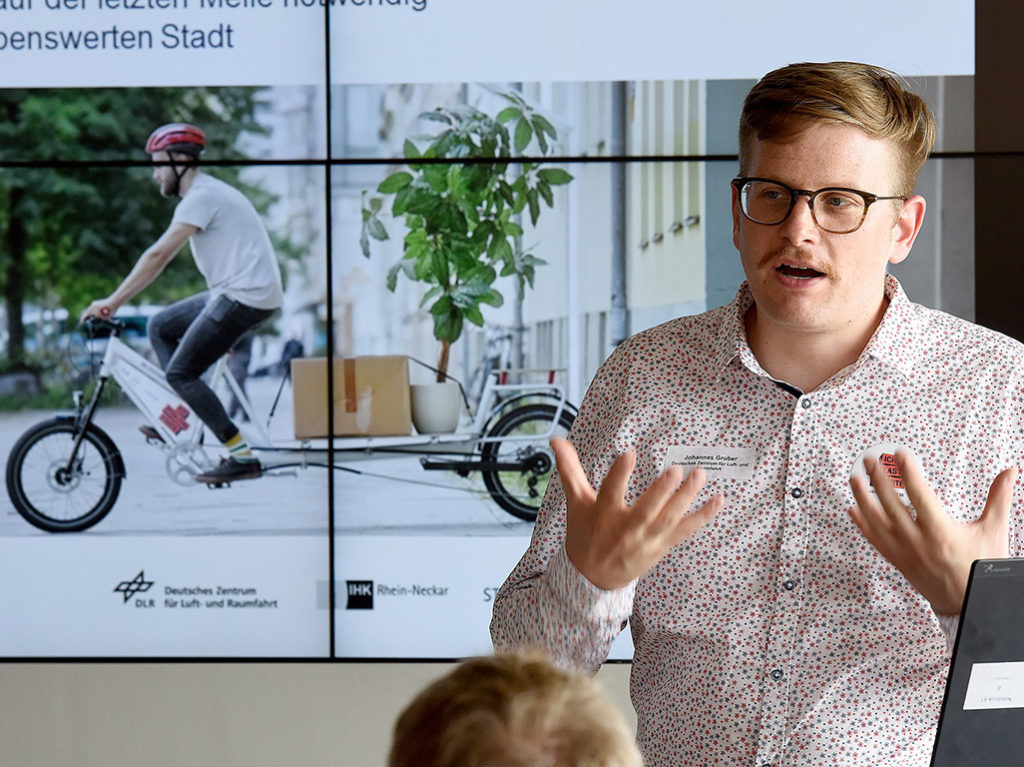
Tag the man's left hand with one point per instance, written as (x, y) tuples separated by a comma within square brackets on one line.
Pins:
[(935, 551)]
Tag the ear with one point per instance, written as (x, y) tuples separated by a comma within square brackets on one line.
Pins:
[(905, 229)]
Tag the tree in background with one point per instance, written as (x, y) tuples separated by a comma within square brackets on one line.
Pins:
[(74, 221)]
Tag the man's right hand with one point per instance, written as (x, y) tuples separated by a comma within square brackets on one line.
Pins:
[(613, 544), (102, 308)]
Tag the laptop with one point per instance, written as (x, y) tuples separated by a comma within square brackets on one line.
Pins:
[(982, 719)]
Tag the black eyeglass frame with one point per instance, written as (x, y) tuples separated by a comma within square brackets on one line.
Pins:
[(869, 199)]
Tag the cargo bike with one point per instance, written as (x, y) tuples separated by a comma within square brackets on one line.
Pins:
[(65, 473)]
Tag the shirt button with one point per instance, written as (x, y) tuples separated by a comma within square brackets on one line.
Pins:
[(776, 674), (789, 585), (796, 492), (805, 403)]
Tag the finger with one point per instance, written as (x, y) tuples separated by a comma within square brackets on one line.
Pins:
[(613, 488), (996, 514), (871, 519), (570, 471), (691, 523), (655, 508), (871, 513), (677, 506), (896, 511), (927, 505)]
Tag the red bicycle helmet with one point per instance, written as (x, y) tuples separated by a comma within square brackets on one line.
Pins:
[(176, 137)]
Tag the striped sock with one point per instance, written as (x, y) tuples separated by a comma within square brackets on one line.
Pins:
[(239, 449)]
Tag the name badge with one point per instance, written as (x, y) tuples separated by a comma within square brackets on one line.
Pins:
[(886, 452), (718, 462)]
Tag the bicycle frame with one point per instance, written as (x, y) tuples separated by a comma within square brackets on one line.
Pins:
[(146, 386), (505, 441)]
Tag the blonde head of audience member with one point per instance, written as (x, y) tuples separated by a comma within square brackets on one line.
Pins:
[(515, 710)]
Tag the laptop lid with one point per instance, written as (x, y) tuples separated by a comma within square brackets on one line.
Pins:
[(982, 719)]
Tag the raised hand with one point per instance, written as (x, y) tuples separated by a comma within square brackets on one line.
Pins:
[(611, 543), (934, 551)]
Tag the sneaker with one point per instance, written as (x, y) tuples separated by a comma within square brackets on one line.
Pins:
[(230, 470), (151, 434)]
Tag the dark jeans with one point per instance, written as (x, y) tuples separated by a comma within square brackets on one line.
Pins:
[(192, 334)]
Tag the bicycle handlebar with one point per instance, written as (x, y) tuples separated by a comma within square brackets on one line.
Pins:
[(93, 323)]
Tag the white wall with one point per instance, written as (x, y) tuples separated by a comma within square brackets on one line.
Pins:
[(207, 714)]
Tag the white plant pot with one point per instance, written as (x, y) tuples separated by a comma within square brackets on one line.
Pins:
[(436, 407)]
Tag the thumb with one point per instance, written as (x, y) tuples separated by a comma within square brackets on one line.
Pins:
[(996, 513), (574, 480)]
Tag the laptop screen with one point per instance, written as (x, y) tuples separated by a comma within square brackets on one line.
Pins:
[(982, 721)]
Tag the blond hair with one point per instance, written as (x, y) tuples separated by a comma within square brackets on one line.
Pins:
[(515, 710), (788, 101)]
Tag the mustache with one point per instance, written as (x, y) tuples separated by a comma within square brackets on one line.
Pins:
[(794, 256)]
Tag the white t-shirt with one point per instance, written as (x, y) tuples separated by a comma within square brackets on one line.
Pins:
[(232, 249)]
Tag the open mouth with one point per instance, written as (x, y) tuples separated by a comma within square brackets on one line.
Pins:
[(799, 272)]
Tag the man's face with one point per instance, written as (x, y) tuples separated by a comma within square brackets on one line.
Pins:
[(164, 175), (804, 278)]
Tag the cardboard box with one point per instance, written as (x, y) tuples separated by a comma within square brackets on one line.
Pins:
[(371, 396)]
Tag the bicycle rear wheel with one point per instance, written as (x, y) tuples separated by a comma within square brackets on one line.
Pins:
[(55, 493), (526, 432)]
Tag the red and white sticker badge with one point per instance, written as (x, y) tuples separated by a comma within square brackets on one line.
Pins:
[(886, 453)]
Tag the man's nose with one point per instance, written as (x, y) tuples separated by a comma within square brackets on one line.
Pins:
[(799, 225)]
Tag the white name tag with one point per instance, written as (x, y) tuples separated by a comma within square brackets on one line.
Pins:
[(718, 462), (995, 685)]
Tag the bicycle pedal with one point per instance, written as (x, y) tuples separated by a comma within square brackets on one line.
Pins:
[(218, 485)]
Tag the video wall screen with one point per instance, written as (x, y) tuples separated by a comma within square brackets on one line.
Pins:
[(389, 508)]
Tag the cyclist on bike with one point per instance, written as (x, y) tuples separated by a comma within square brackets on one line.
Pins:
[(233, 252)]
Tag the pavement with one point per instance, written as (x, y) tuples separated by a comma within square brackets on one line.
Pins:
[(391, 496)]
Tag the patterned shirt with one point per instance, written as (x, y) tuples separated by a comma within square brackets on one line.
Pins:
[(777, 635)]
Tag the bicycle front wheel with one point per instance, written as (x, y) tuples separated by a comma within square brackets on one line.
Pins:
[(524, 433), (56, 492)]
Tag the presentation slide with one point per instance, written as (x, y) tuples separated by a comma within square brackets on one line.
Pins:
[(408, 491)]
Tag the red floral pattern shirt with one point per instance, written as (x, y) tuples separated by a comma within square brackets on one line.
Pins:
[(777, 635)]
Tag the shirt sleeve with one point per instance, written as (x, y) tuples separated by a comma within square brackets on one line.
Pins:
[(196, 209), (546, 602)]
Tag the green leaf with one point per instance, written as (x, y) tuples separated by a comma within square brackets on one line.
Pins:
[(395, 182), (473, 314), (402, 199), (507, 114), (523, 135), (541, 122), (500, 250), (534, 201), (437, 177), (392, 277), (545, 191), (376, 229), (448, 326), (554, 176), (439, 267), (410, 151), (493, 298), (376, 203), (541, 138), (436, 116), (364, 242), (430, 295), (442, 306)]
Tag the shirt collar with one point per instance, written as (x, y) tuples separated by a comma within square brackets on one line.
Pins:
[(895, 342), (898, 338)]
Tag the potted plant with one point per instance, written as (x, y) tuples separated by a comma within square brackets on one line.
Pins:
[(461, 200)]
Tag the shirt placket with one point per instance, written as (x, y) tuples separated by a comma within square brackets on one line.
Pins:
[(784, 630)]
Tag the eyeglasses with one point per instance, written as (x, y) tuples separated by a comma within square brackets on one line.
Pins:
[(834, 209)]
